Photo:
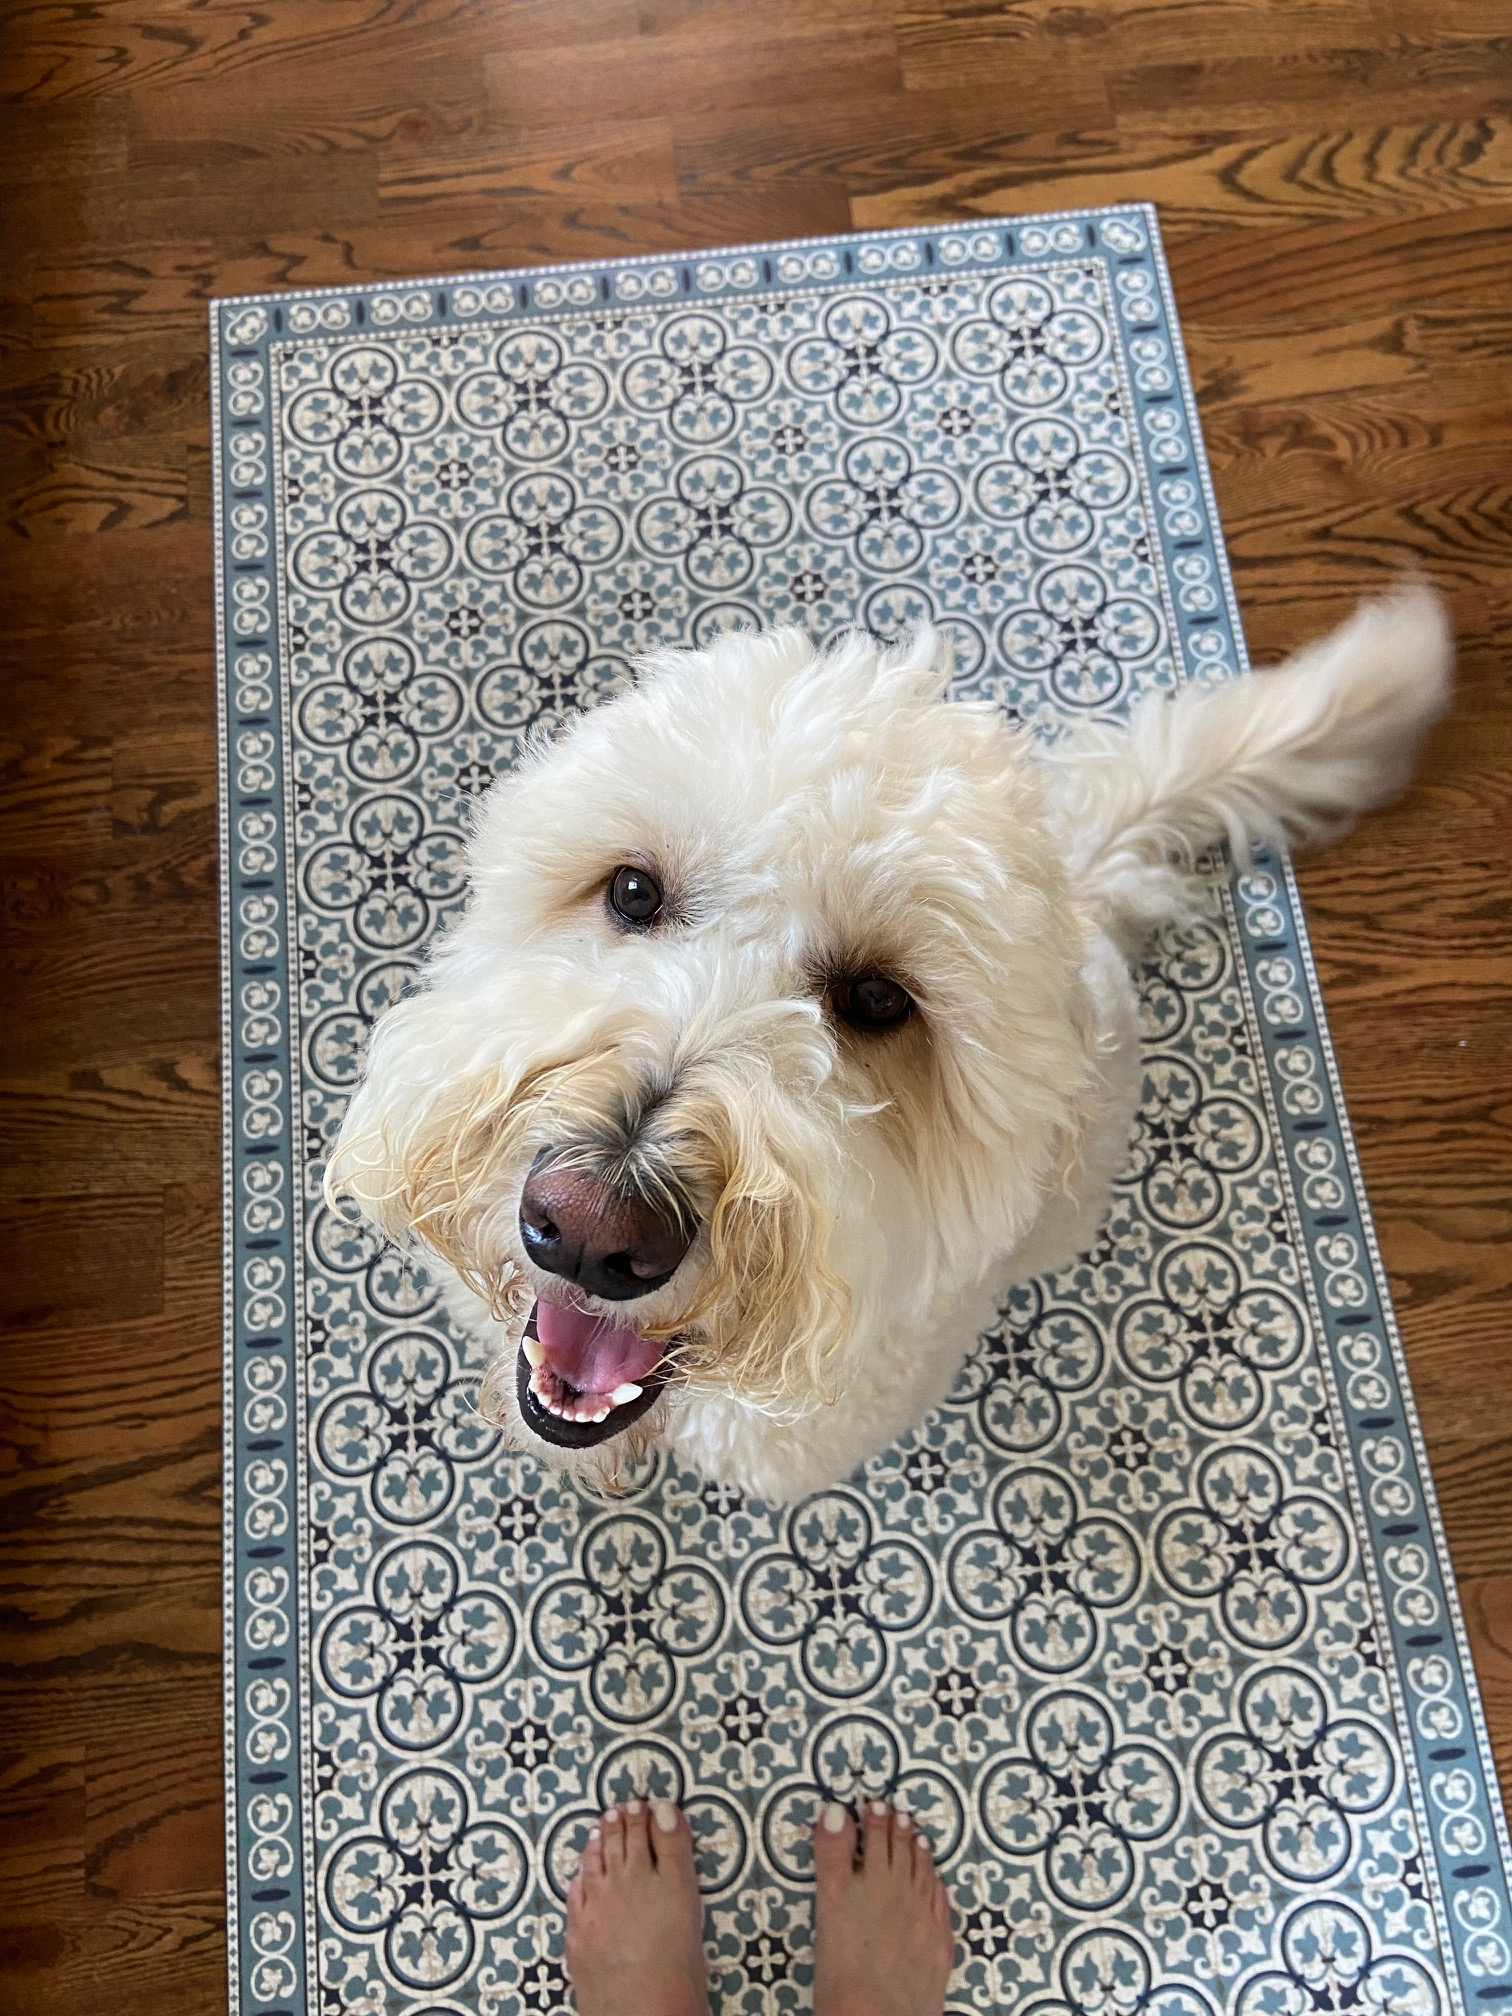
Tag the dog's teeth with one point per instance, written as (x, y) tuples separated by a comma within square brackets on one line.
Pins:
[(540, 1386), (583, 1407)]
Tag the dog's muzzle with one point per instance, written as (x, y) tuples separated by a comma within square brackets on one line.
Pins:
[(574, 1386), (580, 1377)]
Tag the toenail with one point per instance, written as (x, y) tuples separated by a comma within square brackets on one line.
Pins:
[(905, 1820), (666, 1815), (611, 1817), (834, 1817), (632, 1807), (879, 1807)]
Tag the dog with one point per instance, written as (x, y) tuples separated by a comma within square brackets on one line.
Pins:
[(791, 1020)]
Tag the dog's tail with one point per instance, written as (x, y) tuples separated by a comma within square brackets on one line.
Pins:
[(1289, 756)]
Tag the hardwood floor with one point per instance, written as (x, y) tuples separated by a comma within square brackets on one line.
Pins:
[(1335, 182)]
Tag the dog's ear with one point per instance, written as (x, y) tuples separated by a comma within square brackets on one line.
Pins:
[(549, 734), (768, 1313), (422, 1165), (430, 1132), (917, 665)]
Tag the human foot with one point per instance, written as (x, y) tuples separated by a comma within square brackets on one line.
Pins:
[(882, 1938), (634, 1921)]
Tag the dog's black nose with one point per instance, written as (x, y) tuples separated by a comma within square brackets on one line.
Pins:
[(610, 1245)]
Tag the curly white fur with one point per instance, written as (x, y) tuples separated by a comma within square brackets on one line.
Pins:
[(812, 813)]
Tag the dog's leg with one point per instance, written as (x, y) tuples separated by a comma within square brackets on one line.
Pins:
[(1288, 756)]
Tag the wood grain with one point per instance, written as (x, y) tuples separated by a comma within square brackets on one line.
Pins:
[(1335, 181)]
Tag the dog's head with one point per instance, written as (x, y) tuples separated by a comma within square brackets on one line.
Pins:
[(763, 1031)]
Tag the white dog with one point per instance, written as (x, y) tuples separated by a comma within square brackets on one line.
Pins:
[(790, 1021)]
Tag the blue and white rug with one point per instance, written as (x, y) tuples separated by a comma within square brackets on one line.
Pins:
[(1152, 1625)]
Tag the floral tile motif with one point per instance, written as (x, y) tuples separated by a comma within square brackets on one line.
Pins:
[(1150, 1624)]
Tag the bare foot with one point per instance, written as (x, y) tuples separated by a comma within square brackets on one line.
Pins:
[(882, 1938), (634, 1920)]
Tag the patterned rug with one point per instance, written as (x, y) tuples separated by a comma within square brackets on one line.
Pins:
[(1151, 1626)]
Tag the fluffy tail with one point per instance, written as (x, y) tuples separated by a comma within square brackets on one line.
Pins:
[(1285, 757)]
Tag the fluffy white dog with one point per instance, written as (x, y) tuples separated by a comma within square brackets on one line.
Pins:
[(790, 1021)]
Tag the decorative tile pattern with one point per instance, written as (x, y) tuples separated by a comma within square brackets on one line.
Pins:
[(1150, 1625)]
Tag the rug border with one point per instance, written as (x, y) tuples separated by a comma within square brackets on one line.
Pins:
[(619, 262), (229, 1674), (1450, 1591), (1323, 1037)]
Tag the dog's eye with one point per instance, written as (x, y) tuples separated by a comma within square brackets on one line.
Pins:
[(634, 896), (872, 1002)]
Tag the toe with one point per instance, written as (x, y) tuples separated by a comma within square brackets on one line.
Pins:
[(637, 1843), (834, 1844), (905, 1842), (902, 1843), (671, 1838), (612, 1839), (877, 1830), (592, 1864)]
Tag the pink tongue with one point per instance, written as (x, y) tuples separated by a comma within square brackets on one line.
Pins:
[(589, 1353)]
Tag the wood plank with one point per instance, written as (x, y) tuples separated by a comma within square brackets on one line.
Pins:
[(625, 160), (118, 1551), (303, 112), (667, 22), (1330, 469), (1433, 360), (156, 1817), (135, 1388), (1208, 179), (1487, 1601), (92, 294), (884, 142), (1195, 58), (1363, 266), (160, 1955), (54, 789), (94, 1255), (133, 1117), (1432, 77), (142, 45), (528, 231), (41, 135), (761, 59), (103, 212), (118, 873), (114, 1516), (67, 498)]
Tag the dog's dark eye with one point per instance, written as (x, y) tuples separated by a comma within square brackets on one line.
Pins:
[(872, 1002), (634, 895)]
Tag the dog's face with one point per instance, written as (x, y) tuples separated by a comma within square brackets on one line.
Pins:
[(763, 1031)]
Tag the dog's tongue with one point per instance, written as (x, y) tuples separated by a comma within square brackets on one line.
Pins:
[(589, 1353)]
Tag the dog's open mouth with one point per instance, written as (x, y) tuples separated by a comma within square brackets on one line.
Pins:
[(580, 1379)]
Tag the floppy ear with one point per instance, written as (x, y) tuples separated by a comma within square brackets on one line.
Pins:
[(419, 1160), (1284, 757)]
